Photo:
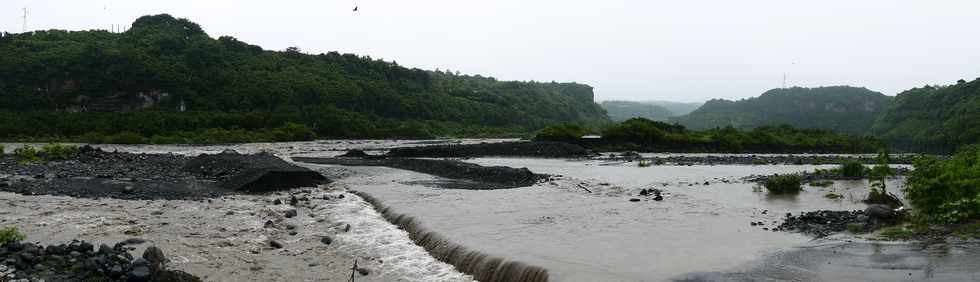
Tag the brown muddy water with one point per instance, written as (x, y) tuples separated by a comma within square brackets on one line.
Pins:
[(700, 232)]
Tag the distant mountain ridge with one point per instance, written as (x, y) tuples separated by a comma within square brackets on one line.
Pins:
[(620, 110), (839, 108)]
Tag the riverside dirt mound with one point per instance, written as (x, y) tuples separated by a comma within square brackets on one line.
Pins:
[(261, 172), (506, 149), (93, 173), (495, 177)]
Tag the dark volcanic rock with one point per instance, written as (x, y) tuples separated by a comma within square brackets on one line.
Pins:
[(820, 223), (507, 149), (495, 177), (253, 173), (77, 262)]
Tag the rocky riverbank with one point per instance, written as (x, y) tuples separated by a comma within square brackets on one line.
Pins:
[(93, 173), (485, 178), (82, 261), (505, 149)]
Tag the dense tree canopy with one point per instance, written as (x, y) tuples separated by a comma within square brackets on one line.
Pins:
[(838, 108), (166, 75), (932, 118)]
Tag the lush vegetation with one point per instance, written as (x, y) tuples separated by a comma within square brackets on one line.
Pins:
[(853, 169), (784, 184), (49, 152), (936, 119), (166, 80), (838, 108), (946, 191), (10, 235), (624, 110), (647, 135), (564, 132)]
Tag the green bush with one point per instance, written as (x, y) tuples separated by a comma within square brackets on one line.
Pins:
[(784, 184), (27, 154), (58, 152), (563, 132), (298, 132), (636, 130), (125, 137), (10, 235), (852, 169), (2, 150), (946, 191)]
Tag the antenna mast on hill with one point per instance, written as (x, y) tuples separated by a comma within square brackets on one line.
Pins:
[(25, 20)]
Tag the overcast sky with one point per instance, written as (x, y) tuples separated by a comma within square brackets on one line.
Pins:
[(637, 49)]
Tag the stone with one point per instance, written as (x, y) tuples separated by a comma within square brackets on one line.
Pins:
[(634, 200), (155, 257), (139, 273), (326, 240), (277, 202), (275, 244), (291, 213)]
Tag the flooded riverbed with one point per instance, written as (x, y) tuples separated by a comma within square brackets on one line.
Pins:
[(582, 226), (703, 224)]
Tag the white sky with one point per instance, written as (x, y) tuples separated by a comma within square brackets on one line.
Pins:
[(627, 49)]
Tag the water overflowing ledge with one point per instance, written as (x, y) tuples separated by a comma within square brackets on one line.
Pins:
[(482, 267)]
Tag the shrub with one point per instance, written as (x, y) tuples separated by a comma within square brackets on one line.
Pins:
[(946, 191), (852, 169), (125, 137), (2, 150), (635, 130), (564, 132), (298, 132), (10, 235), (26, 154), (784, 184), (58, 152), (643, 163), (822, 183), (833, 196)]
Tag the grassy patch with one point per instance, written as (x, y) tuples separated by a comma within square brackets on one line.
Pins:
[(833, 196), (784, 184), (855, 228), (10, 235), (893, 233), (27, 154), (643, 163)]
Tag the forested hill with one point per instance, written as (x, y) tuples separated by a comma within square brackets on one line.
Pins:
[(932, 118), (838, 108), (166, 75), (624, 110)]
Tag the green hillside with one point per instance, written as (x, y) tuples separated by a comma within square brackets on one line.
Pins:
[(624, 110), (838, 108), (932, 118), (167, 77)]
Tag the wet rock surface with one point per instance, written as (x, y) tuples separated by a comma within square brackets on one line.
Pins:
[(506, 149), (261, 172), (821, 223), (491, 177), (81, 261), (93, 173)]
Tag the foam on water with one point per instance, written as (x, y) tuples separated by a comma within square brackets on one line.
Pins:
[(371, 236)]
